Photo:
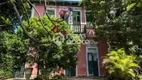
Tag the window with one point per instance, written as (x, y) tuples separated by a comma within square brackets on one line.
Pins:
[(95, 56), (51, 12), (76, 22), (89, 20), (76, 17)]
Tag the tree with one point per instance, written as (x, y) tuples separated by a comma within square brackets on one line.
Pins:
[(50, 55), (12, 54), (34, 33), (13, 49), (117, 22)]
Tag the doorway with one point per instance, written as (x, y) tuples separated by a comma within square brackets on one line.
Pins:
[(92, 62)]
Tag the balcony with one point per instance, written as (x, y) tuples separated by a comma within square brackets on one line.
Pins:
[(83, 29), (77, 28)]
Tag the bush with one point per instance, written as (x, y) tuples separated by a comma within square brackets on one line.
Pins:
[(121, 66), (49, 74), (6, 66)]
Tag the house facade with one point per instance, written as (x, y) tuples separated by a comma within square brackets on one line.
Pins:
[(90, 54)]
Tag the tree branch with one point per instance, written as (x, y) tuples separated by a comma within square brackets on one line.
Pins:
[(3, 3), (23, 27), (39, 17)]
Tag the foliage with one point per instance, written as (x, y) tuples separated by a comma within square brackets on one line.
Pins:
[(50, 55), (12, 48), (14, 45), (117, 22), (48, 74), (7, 12), (121, 66), (12, 53)]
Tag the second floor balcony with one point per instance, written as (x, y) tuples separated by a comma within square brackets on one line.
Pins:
[(83, 29), (77, 28)]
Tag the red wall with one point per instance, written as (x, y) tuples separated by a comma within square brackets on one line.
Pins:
[(81, 63), (102, 50)]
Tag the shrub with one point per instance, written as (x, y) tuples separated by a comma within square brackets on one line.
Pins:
[(121, 66)]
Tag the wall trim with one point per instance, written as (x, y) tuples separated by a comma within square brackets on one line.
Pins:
[(86, 62), (76, 71), (32, 12), (85, 16)]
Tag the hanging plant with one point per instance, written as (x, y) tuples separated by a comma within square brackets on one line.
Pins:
[(55, 28), (65, 32), (62, 13)]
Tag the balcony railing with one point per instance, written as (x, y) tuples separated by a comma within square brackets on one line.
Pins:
[(82, 29), (77, 28)]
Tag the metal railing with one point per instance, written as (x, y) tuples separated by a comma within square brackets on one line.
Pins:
[(77, 28)]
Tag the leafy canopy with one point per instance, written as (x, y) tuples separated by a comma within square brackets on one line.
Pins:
[(117, 22), (51, 55)]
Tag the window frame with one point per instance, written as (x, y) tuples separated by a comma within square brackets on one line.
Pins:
[(54, 9), (80, 16)]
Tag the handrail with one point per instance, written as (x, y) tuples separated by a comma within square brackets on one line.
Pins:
[(77, 28)]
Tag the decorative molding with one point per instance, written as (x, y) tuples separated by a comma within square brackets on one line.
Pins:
[(32, 12)]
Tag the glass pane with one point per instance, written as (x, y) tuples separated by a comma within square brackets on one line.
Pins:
[(76, 17), (95, 56), (92, 50), (50, 12), (90, 57)]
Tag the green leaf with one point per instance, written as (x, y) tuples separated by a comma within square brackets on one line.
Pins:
[(139, 4), (129, 7)]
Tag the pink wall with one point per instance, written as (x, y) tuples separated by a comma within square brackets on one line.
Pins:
[(102, 50), (81, 66), (57, 11), (81, 63), (83, 18), (40, 9), (83, 15)]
